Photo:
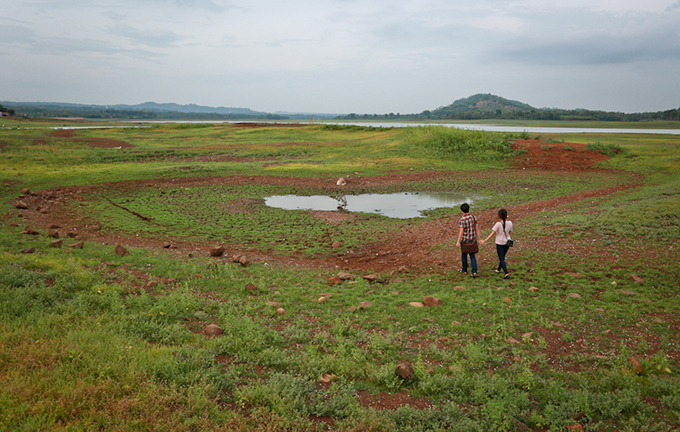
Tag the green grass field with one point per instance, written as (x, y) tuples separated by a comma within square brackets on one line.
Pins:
[(584, 333)]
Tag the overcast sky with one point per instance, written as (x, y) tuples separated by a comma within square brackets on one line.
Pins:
[(342, 56)]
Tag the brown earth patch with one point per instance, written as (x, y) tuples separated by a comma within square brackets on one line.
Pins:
[(555, 156), (92, 142)]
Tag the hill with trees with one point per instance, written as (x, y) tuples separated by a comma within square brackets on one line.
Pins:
[(488, 106)]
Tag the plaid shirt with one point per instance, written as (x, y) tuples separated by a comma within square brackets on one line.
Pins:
[(468, 223)]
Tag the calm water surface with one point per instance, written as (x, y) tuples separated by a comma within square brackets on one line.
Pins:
[(403, 205)]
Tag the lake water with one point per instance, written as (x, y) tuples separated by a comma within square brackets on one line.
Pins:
[(482, 127), (517, 129), (403, 205)]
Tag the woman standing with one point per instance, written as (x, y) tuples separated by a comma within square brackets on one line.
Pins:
[(502, 230)]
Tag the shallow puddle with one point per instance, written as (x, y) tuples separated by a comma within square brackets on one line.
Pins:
[(403, 205)]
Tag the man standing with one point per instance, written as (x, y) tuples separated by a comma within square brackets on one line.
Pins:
[(467, 239)]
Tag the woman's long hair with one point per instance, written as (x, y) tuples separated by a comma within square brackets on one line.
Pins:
[(503, 214)]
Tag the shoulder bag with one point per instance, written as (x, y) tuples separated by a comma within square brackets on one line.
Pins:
[(470, 246)]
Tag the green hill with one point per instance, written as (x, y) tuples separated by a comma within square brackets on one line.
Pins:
[(482, 102)]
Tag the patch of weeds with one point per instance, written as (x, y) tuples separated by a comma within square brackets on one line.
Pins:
[(293, 396), (607, 149)]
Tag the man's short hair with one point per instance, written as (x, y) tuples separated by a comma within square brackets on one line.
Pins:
[(465, 207)]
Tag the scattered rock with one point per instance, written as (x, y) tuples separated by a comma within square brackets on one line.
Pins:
[(369, 292), (251, 287), (445, 339), (403, 269), (56, 243), (575, 295), (30, 231), (352, 308), (71, 234), (166, 245), (213, 330), (274, 304), (21, 205), (371, 277), (514, 341), (53, 226), (93, 228), (614, 283), (217, 251), (77, 245), (558, 324), (334, 280), (459, 288), (635, 363), (417, 304), (280, 311), (29, 250), (336, 245), (576, 275), (521, 427), (455, 323), (430, 320), (575, 428), (327, 295), (26, 191), (507, 300), (120, 250), (405, 371), (365, 305), (345, 276), (658, 320), (432, 301), (636, 278), (326, 378), (244, 261), (600, 310), (53, 233), (628, 293), (533, 289), (322, 299), (528, 335), (43, 211)]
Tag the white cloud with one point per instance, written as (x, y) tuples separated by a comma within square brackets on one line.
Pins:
[(340, 55)]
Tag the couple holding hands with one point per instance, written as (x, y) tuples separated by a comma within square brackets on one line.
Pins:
[(469, 233)]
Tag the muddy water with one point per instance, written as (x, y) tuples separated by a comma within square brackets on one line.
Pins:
[(403, 205)]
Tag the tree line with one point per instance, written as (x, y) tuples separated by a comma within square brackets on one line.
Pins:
[(126, 114), (515, 114)]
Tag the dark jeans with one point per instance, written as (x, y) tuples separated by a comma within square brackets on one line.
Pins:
[(502, 250), (473, 262)]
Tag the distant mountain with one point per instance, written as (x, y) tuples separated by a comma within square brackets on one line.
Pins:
[(191, 108), (146, 106), (144, 111), (482, 102)]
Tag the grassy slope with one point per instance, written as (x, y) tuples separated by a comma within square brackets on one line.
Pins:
[(83, 346)]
